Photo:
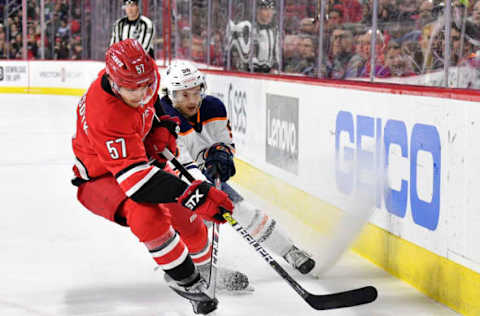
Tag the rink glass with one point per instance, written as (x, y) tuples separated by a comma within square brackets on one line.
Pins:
[(396, 41)]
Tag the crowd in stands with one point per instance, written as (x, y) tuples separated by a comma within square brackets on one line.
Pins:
[(62, 37), (410, 38)]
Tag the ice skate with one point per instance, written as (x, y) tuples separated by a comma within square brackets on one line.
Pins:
[(196, 293), (300, 260), (233, 282)]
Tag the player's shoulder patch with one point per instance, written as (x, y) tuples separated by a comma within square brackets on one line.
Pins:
[(212, 107)]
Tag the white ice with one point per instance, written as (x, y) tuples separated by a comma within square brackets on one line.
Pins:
[(56, 258)]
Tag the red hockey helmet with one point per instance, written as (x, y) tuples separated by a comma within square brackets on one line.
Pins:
[(129, 66)]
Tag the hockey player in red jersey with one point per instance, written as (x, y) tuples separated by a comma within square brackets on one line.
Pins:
[(115, 118), (207, 150)]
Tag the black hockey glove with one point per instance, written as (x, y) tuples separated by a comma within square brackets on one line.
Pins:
[(219, 162)]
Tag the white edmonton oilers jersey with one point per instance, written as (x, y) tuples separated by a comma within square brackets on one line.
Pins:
[(209, 126)]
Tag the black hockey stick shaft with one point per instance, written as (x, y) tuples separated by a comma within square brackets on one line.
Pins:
[(349, 298)]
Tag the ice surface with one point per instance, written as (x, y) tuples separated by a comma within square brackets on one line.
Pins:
[(58, 259)]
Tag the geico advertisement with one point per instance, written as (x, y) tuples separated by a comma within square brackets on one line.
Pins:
[(418, 147), (13, 74)]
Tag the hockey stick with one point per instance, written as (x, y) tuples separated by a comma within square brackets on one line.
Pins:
[(349, 298), (214, 260), (212, 281)]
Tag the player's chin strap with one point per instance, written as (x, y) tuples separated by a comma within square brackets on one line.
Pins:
[(212, 281), (348, 298)]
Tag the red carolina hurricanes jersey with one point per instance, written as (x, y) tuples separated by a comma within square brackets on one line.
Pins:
[(109, 137)]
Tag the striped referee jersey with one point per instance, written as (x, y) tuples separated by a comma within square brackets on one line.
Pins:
[(141, 29)]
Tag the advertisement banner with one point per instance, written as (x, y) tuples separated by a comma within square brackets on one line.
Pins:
[(13, 74), (412, 157), (281, 143), (245, 109), (76, 75)]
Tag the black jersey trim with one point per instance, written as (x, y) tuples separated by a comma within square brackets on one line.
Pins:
[(121, 172), (163, 187)]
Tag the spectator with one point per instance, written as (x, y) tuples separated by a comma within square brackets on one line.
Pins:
[(334, 20), (363, 50), (32, 9), (386, 11), (2, 32), (396, 63), (13, 30), (216, 49), (184, 47), (396, 30), (77, 51), (292, 16), (425, 14), (198, 53), (412, 51), (345, 63), (307, 63), (32, 49), (307, 26), (75, 26), (3, 49), (64, 30), (38, 41), (291, 53), (407, 9), (456, 55), (266, 42), (17, 45), (352, 10), (61, 49), (367, 8), (472, 24), (475, 18)]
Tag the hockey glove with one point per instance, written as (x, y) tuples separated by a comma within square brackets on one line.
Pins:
[(219, 162), (163, 135), (205, 200)]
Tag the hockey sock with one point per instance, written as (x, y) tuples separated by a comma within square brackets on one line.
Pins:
[(203, 255), (263, 228)]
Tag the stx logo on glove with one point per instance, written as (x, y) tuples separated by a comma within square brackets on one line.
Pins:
[(207, 201), (196, 198)]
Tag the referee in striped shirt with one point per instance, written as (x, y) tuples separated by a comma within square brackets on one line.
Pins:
[(134, 25)]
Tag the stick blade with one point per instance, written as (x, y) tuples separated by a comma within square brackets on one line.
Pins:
[(350, 298)]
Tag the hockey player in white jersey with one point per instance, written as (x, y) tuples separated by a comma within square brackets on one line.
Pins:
[(206, 149)]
